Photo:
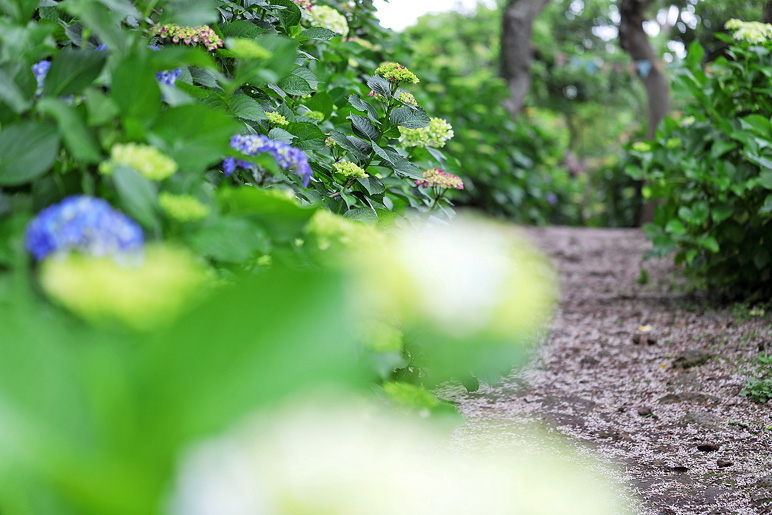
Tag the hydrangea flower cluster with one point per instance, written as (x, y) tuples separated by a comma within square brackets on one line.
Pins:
[(303, 4), (349, 169), (83, 223), (168, 77), (750, 31), (276, 119), (436, 134), (189, 35), (402, 96), (328, 18), (183, 208), (436, 178), (395, 72), (145, 159), (287, 156), (40, 70)]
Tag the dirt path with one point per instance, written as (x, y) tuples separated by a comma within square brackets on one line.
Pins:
[(657, 409)]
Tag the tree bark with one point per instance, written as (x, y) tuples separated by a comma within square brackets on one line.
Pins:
[(767, 18), (635, 42), (516, 51)]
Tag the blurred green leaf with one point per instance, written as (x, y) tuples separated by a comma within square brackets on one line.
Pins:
[(78, 139), (27, 151), (72, 70), (138, 195)]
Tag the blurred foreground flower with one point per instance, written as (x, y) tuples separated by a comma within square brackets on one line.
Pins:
[(328, 18), (286, 156), (474, 294), (343, 461), (183, 208), (40, 70), (141, 296), (86, 224), (436, 134), (751, 31), (147, 160)]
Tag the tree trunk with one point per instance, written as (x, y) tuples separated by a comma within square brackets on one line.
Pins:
[(516, 51), (635, 42), (767, 18)]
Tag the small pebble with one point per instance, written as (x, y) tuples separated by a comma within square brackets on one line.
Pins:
[(636, 339), (723, 462), (707, 447), (644, 411)]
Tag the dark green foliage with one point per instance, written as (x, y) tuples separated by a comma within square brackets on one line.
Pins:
[(711, 172)]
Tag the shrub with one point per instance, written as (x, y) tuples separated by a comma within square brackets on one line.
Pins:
[(711, 171)]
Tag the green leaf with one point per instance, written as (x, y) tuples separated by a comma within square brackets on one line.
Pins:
[(675, 227), (722, 147), (721, 212), (27, 151), (233, 240), (379, 85), (409, 117), (695, 55), (365, 107), (247, 108), (138, 195), (348, 145), (242, 29), (319, 33), (294, 85), (761, 258), (100, 108), (320, 102), (72, 70), (281, 135), (710, 243), (194, 136), (700, 212), (372, 185), (78, 139), (765, 179), (767, 207), (364, 128), (135, 90), (11, 94), (290, 15), (309, 136), (280, 216)]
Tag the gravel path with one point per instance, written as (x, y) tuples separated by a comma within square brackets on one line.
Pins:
[(662, 406)]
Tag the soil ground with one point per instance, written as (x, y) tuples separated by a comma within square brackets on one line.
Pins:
[(662, 406)]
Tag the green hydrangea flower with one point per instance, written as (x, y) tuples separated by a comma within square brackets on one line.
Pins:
[(328, 18), (145, 159), (672, 143), (750, 31), (642, 146), (395, 72), (276, 119), (349, 169), (406, 98), (243, 48), (314, 115), (142, 295), (184, 208), (436, 134), (327, 230)]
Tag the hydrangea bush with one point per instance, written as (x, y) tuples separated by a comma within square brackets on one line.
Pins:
[(709, 170), (189, 195)]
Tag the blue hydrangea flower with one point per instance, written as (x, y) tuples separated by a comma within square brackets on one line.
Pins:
[(83, 223), (552, 198), (168, 76), (286, 156), (40, 70)]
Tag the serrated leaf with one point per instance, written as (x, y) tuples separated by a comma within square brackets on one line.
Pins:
[(365, 107), (247, 108), (294, 85), (364, 128), (310, 137), (319, 33), (281, 135), (242, 29), (379, 85), (409, 118)]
